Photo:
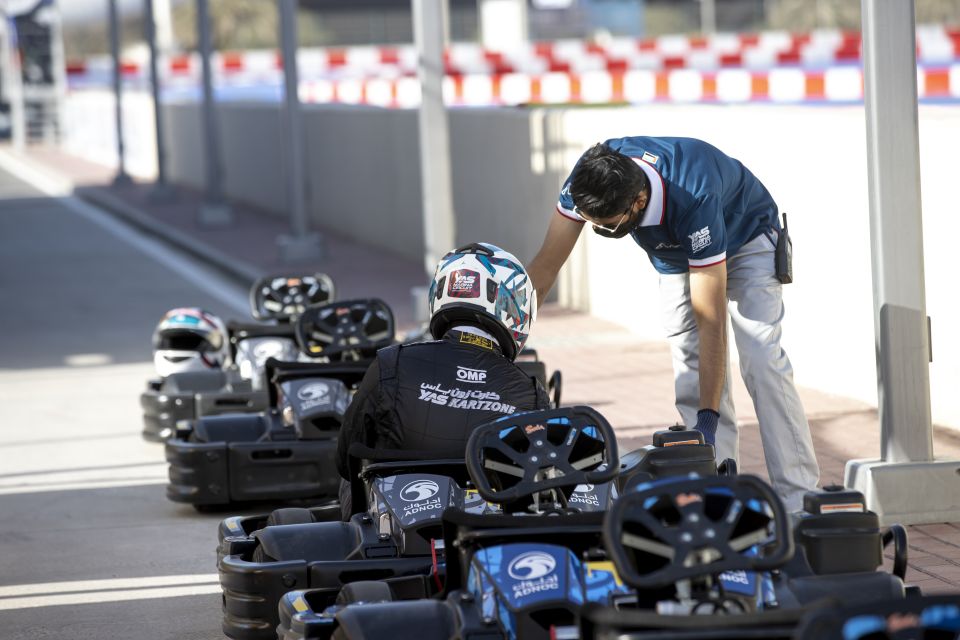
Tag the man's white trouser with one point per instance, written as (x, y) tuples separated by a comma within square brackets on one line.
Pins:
[(755, 305)]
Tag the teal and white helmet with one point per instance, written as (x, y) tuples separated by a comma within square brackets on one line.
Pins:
[(189, 339), (481, 284)]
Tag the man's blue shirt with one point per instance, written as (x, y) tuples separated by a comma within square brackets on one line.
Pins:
[(703, 206)]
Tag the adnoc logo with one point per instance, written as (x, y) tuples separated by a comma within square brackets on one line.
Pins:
[(532, 565), (314, 392), (419, 490)]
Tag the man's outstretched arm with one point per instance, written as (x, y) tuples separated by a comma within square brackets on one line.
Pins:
[(708, 297), (561, 237)]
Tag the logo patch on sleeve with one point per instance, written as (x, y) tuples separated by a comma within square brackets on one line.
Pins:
[(464, 283), (700, 239)]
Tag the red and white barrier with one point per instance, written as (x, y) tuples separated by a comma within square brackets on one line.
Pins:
[(786, 85), (774, 66)]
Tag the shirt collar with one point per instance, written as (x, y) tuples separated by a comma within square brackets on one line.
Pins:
[(653, 214)]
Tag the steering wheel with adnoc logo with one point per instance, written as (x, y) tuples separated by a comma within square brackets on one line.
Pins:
[(533, 452), (677, 529), (350, 329)]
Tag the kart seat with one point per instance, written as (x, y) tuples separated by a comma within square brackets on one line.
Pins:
[(414, 620), (317, 541), (231, 427)]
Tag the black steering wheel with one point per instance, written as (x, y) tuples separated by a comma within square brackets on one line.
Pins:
[(341, 330), (528, 453), (284, 297), (685, 528)]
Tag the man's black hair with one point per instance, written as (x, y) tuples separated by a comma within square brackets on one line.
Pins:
[(605, 182)]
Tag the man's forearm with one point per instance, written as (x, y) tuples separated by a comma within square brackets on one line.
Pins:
[(708, 295), (542, 277), (713, 363)]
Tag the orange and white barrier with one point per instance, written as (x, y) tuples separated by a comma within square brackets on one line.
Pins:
[(770, 66), (782, 85)]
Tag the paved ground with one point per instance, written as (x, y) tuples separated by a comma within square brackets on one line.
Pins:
[(81, 495)]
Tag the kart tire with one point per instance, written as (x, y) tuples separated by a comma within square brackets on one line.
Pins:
[(290, 515), (364, 591)]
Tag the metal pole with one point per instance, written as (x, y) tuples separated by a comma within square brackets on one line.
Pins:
[(163, 19), (439, 227), (214, 211), (906, 484), (122, 176), (893, 157), (301, 245), (161, 190), (708, 16)]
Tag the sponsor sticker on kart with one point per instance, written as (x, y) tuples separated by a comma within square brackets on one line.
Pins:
[(742, 582), (673, 444), (464, 283), (844, 507), (534, 572)]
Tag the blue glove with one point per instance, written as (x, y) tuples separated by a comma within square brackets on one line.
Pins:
[(707, 425)]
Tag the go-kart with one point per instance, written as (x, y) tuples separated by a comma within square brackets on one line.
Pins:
[(725, 546), (287, 451), (717, 547), (275, 301), (916, 618), (396, 531)]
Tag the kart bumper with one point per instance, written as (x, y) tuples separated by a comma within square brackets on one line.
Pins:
[(162, 411), (207, 473), (252, 590)]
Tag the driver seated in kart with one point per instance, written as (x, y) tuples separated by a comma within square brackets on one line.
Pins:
[(429, 396)]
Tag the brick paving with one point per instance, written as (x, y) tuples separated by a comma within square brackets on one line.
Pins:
[(603, 365)]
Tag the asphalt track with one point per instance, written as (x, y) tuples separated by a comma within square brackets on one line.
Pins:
[(89, 545)]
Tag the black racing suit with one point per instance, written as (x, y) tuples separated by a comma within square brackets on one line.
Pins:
[(429, 396)]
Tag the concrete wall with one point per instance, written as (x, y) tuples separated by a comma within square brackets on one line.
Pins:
[(364, 176), (363, 173)]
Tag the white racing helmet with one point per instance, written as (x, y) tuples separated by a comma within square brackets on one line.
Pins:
[(481, 284), (189, 339)]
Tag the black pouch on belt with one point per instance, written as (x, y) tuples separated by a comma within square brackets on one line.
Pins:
[(783, 255)]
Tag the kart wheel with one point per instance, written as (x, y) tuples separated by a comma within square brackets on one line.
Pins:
[(289, 516), (364, 591)]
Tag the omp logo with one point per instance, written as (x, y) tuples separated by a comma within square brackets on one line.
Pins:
[(700, 239), (583, 488), (419, 490), (475, 376), (315, 392), (532, 565)]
